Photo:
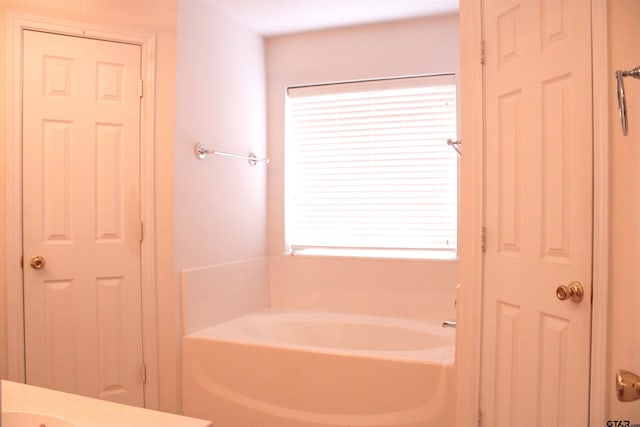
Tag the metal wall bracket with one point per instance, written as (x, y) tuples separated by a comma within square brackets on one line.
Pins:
[(201, 152), (454, 145)]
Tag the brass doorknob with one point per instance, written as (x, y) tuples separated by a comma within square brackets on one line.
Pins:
[(37, 262), (574, 292), (627, 386)]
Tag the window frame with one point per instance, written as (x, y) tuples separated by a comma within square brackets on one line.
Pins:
[(365, 252)]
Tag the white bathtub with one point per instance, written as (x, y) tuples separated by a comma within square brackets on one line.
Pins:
[(297, 368)]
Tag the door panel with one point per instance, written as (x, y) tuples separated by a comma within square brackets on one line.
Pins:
[(538, 201), (81, 213)]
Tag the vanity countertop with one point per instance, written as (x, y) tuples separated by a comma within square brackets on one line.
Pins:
[(87, 412)]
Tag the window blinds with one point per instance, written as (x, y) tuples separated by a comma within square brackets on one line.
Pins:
[(368, 167)]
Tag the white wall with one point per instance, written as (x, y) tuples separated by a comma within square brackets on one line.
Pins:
[(389, 287), (220, 203), (624, 205)]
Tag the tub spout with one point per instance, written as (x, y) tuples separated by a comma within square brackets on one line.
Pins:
[(449, 324)]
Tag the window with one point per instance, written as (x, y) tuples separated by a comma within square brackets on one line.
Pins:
[(368, 170)]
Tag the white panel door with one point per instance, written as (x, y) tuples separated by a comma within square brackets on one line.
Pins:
[(81, 214), (538, 206)]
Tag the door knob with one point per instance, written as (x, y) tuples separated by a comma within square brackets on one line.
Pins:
[(37, 262), (627, 386), (574, 291)]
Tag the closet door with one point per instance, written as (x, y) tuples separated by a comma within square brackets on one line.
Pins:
[(81, 216), (538, 203)]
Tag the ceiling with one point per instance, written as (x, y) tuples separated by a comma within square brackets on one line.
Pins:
[(276, 17)]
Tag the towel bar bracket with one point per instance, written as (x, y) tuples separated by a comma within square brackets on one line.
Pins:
[(201, 152)]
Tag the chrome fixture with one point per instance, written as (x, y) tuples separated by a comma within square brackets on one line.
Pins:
[(454, 145), (449, 324), (201, 152), (574, 292), (627, 386), (622, 103)]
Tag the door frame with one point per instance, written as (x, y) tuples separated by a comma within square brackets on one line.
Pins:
[(468, 335), (17, 23)]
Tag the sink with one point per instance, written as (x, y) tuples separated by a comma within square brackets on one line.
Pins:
[(31, 419)]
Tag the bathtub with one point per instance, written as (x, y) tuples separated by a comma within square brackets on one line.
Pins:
[(301, 368)]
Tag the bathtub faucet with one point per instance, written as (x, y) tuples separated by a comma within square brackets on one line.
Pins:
[(449, 324)]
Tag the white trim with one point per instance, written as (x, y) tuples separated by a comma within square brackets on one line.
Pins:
[(599, 324), (15, 326), (469, 314), (147, 211), (13, 163)]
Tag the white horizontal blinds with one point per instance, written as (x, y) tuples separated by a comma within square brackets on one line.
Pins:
[(368, 166)]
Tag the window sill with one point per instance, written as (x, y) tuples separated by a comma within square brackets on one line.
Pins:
[(397, 254)]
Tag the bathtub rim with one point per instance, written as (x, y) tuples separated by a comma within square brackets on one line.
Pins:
[(230, 332)]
